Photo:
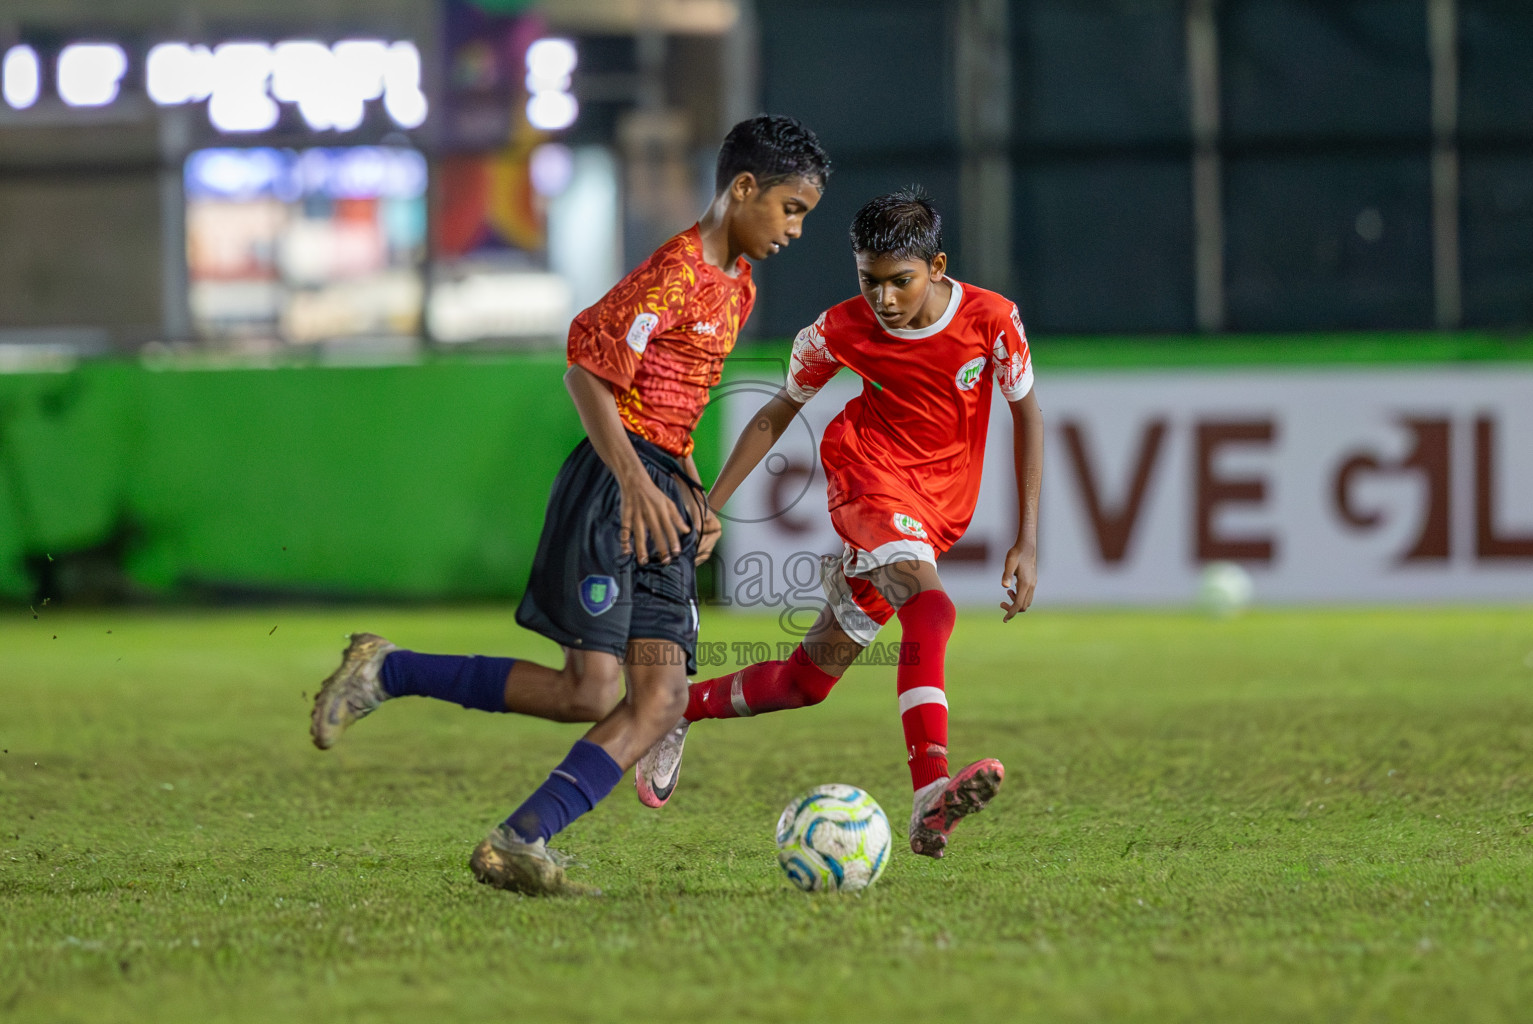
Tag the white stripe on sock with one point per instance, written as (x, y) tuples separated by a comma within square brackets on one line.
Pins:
[(918, 695), (737, 695)]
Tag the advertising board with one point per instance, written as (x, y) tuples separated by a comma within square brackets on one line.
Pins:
[(1377, 485)]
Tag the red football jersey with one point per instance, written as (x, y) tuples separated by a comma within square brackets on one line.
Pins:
[(917, 430), (659, 337)]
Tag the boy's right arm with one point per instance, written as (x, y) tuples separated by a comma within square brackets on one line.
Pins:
[(753, 444), (810, 368), (646, 513)]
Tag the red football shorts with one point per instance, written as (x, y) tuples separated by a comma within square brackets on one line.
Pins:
[(878, 530)]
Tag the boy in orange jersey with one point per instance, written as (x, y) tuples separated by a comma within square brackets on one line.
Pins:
[(613, 579), (903, 465)]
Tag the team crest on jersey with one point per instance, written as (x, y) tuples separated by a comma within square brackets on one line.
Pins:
[(968, 373), (598, 594), (638, 333), (909, 525)]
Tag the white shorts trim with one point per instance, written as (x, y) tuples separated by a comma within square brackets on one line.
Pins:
[(918, 695), (854, 622), (861, 563)]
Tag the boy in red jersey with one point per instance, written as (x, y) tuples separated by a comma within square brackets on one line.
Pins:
[(903, 465), (613, 579)]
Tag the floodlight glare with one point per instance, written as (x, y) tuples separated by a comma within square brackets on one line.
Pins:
[(346, 111), (549, 65), (244, 82), (89, 73), (402, 67), (239, 102), (300, 68), (402, 96), (552, 111), (20, 77), (408, 109), (175, 73), (306, 72), (361, 63)]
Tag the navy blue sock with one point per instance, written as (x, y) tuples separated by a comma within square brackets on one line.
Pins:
[(585, 776), (473, 682)]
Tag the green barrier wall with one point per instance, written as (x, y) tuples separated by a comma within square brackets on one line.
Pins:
[(407, 482)]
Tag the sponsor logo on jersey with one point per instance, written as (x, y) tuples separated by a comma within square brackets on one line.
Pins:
[(706, 327), (638, 333), (909, 525), (598, 594), (968, 373), (1016, 318)]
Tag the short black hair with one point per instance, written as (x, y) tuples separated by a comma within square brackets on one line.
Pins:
[(902, 224), (774, 149)]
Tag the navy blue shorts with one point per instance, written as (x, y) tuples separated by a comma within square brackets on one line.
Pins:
[(585, 593)]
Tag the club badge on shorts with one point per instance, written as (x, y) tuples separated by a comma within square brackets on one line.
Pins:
[(910, 526), (598, 594)]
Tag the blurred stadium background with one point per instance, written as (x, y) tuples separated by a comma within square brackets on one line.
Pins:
[(283, 285)]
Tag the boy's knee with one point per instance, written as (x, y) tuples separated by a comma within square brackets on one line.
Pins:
[(812, 682), (815, 690), (666, 701), (594, 690), (676, 698), (930, 609)]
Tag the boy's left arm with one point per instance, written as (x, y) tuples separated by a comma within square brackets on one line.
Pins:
[(1020, 576)]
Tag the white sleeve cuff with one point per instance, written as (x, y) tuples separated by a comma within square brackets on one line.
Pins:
[(1022, 387), (798, 392)]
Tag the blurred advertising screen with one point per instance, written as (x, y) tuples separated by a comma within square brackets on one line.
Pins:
[(306, 245)]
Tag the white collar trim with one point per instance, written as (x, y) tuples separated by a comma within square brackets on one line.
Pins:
[(907, 334)]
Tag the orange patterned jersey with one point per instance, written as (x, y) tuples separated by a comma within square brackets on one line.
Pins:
[(659, 338)]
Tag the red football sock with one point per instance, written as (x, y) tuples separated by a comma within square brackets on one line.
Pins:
[(764, 686), (927, 620)]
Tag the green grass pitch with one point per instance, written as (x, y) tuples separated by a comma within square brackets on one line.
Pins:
[(1292, 816)]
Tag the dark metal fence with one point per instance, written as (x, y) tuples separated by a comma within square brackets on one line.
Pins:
[(1180, 165)]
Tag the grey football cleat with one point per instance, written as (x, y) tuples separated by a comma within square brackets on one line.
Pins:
[(657, 771), (507, 861), (352, 692)]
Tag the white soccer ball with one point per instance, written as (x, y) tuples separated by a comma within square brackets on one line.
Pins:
[(1224, 589), (833, 838)]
